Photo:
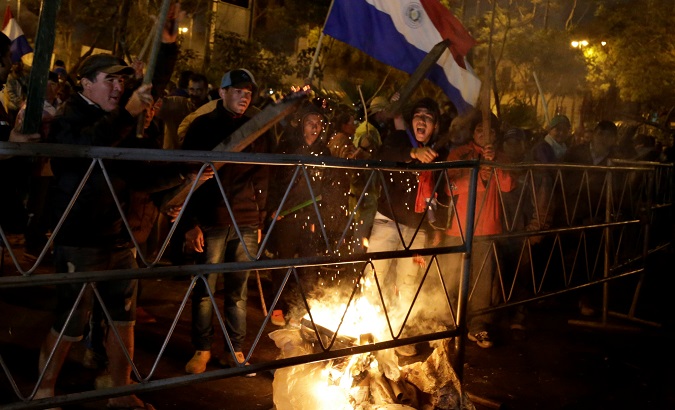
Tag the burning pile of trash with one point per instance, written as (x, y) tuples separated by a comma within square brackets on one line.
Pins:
[(365, 381)]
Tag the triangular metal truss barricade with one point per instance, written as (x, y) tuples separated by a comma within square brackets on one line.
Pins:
[(625, 195)]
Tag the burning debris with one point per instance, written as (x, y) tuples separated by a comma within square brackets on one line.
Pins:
[(367, 381)]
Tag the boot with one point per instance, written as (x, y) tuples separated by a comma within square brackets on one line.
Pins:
[(198, 362)]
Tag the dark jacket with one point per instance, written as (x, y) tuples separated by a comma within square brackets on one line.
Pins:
[(245, 185), (299, 193), (402, 186), (94, 219)]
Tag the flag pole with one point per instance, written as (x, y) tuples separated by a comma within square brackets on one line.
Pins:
[(318, 46)]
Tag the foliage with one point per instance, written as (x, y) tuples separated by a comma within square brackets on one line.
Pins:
[(521, 114), (640, 53), (231, 51), (280, 23), (521, 46)]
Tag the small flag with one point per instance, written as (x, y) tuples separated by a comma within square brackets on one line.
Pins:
[(400, 33), (11, 29)]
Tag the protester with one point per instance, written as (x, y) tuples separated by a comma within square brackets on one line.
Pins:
[(368, 138), (554, 145), (404, 207), (41, 177), (488, 213), (341, 145), (174, 109), (13, 215), (210, 229), (16, 89), (297, 217), (92, 237)]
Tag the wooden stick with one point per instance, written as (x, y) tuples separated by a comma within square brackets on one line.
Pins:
[(420, 73), (152, 62), (44, 45), (260, 289), (242, 137)]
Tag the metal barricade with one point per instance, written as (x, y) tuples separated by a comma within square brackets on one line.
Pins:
[(618, 215)]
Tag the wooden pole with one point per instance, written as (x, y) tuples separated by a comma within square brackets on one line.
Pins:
[(152, 61), (420, 73), (238, 140), (37, 83)]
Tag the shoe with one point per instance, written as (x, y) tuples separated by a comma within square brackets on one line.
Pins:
[(482, 339), (228, 361), (198, 362), (278, 318), (585, 308), (517, 326), (103, 381), (406, 350), (142, 316)]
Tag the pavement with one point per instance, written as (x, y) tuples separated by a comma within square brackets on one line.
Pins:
[(552, 364)]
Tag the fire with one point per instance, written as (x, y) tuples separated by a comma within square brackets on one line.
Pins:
[(361, 318)]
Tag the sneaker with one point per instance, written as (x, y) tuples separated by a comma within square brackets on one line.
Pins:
[(228, 361), (198, 362), (278, 318), (482, 339), (406, 350)]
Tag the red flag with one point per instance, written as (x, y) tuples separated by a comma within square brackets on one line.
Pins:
[(8, 17)]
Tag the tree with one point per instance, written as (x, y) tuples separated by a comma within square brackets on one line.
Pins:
[(639, 56)]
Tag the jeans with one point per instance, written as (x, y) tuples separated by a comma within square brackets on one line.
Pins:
[(223, 245), (402, 274)]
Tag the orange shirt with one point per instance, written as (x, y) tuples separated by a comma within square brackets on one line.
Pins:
[(488, 217)]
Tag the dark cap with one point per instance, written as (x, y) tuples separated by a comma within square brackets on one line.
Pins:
[(559, 120), (238, 78), (104, 63), (515, 133)]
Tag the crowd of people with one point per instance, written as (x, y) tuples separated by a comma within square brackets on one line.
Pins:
[(101, 109)]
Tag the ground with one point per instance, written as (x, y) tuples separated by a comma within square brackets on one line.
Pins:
[(551, 365)]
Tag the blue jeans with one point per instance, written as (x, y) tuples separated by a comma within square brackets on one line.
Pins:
[(223, 245)]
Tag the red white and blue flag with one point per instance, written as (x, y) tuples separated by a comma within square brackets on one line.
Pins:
[(400, 33), (11, 29)]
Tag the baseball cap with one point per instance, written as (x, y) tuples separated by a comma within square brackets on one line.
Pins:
[(515, 133), (104, 63), (238, 78), (558, 120)]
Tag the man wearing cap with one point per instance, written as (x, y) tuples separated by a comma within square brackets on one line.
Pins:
[(92, 237), (211, 230), (549, 150), (554, 145)]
